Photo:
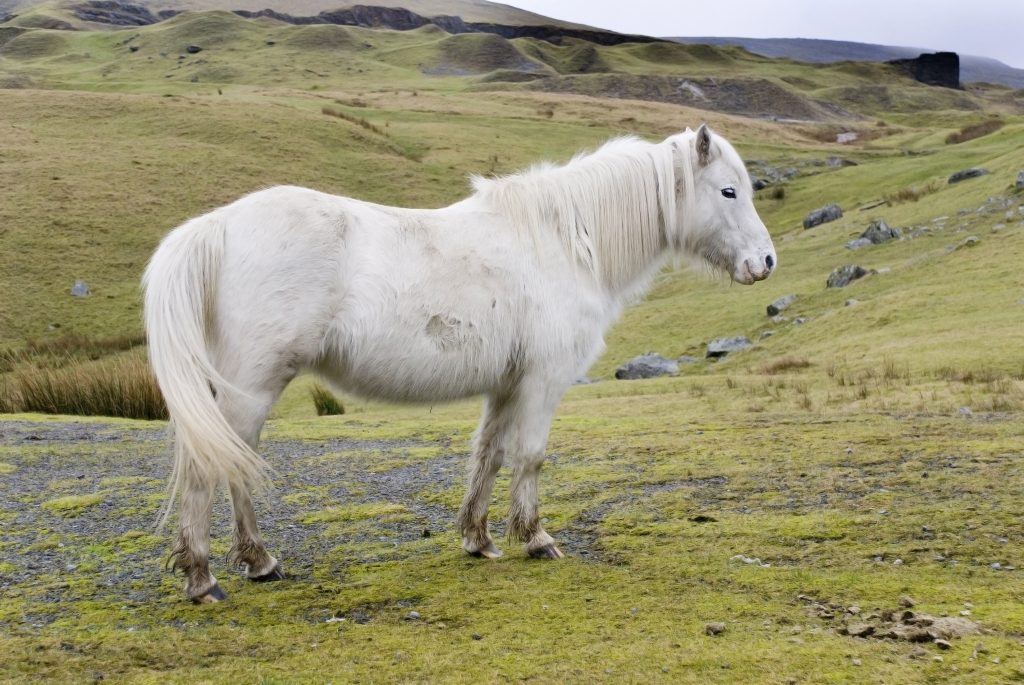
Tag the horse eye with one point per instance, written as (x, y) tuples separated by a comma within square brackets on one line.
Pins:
[(729, 193)]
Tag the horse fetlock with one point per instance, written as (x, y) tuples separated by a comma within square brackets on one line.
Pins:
[(202, 588), (542, 546)]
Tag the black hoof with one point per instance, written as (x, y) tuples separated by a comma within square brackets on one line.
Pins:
[(488, 552), (273, 574), (546, 552), (212, 596)]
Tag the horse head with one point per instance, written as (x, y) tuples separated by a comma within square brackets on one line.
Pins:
[(719, 223)]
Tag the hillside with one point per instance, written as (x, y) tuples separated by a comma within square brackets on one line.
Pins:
[(972, 67)]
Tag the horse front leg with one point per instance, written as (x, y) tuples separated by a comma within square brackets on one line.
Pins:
[(488, 455)]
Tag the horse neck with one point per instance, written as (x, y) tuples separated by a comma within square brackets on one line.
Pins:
[(610, 210)]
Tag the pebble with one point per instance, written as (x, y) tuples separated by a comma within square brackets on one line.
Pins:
[(413, 616), (906, 602), (943, 644)]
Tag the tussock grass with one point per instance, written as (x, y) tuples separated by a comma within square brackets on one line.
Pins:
[(912, 193), (785, 364), (325, 402), (121, 386), (974, 131)]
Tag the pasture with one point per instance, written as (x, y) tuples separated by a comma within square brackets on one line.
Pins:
[(868, 454)]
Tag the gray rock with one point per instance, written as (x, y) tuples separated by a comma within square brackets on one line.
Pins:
[(715, 628), (723, 346), (823, 215), (964, 174), (80, 289), (1020, 179), (851, 302), (646, 366), (687, 359), (778, 305), (843, 276), (858, 243), (880, 232), (193, 49)]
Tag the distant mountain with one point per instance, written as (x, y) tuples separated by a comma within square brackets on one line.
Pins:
[(972, 68)]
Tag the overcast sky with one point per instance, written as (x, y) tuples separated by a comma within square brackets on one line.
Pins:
[(987, 28)]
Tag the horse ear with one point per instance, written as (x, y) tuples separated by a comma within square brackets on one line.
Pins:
[(703, 145)]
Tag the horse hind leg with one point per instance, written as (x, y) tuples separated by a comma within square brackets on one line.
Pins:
[(247, 415), (191, 552)]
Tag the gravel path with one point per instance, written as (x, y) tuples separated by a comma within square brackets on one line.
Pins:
[(45, 550)]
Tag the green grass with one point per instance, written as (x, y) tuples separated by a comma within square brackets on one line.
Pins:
[(808, 451)]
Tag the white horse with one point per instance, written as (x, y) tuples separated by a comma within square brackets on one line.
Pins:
[(505, 294)]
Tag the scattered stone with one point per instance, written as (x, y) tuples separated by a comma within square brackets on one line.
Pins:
[(425, 533), (766, 334), (843, 276), (964, 174), (752, 561), (646, 366), (856, 662), (477, 636), (778, 305), (858, 243), (966, 411), (823, 215), (846, 137), (907, 602), (80, 289), (1020, 179), (687, 359), (193, 49), (799, 320), (714, 628), (943, 644), (852, 302), (779, 318), (723, 346), (880, 232), (412, 616)]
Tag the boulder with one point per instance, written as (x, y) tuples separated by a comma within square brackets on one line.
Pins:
[(823, 215), (723, 346), (780, 304), (193, 49), (858, 243), (646, 366), (879, 232), (933, 68), (80, 289), (843, 276), (964, 174)]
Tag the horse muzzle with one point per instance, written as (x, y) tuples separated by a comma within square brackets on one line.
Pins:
[(754, 269)]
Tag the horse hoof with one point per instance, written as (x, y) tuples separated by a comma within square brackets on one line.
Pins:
[(274, 574), (546, 552), (488, 552), (212, 596)]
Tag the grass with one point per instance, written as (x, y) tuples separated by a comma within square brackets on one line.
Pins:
[(809, 451), (325, 401)]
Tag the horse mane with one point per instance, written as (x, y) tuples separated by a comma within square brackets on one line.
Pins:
[(614, 210)]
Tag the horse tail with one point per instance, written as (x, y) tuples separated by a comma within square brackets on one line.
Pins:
[(180, 286)]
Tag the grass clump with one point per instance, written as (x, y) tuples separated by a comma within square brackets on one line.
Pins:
[(72, 505), (325, 402), (974, 131), (912, 193), (785, 364), (121, 387)]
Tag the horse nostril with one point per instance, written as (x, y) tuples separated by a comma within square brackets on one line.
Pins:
[(769, 262)]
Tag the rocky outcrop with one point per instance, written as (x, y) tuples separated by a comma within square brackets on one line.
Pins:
[(115, 13), (778, 305), (964, 174), (877, 233), (723, 346), (843, 276), (823, 215), (933, 68), (399, 19), (646, 366)]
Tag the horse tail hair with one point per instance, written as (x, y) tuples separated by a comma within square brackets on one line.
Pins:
[(180, 286)]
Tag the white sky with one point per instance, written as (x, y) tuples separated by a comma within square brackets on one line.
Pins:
[(986, 28)]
